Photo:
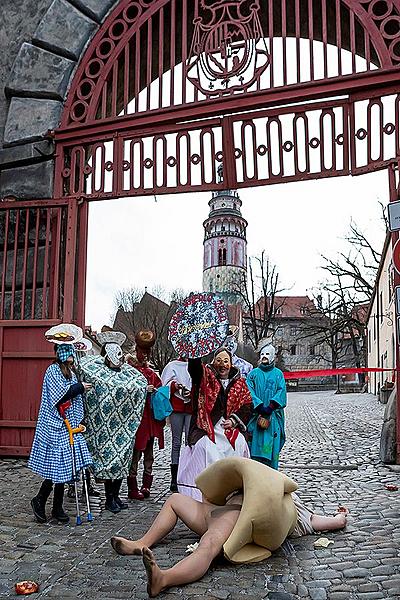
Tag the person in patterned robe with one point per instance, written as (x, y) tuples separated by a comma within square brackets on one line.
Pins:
[(114, 408), (221, 409), (51, 455)]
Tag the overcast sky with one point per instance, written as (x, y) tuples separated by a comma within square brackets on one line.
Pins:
[(147, 241)]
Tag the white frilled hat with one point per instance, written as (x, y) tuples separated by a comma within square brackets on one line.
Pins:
[(65, 333), (111, 337), (83, 345)]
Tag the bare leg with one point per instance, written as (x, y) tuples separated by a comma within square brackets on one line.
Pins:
[(320, 523), (192, 567), (190, 511)]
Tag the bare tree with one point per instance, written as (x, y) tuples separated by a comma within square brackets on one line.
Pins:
[(351, 281), (325, 326), (353, 316), (138, 309), (356, 267), (258, 291)]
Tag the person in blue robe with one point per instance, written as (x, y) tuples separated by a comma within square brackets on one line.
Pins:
[(267, 425), (51, 454)]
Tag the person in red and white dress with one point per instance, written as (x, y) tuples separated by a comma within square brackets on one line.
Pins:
[(222, 407)]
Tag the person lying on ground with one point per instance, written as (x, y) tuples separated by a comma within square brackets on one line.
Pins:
[(214, 524)]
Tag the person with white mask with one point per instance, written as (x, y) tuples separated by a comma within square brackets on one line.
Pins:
[(114, 409), (268, 390), (240, 363)]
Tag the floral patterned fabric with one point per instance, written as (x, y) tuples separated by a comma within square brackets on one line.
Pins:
[(238, 395), (114, 409)]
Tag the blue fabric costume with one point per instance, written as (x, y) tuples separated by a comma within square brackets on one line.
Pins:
[(267, 386), (160, 403), (51, 456)]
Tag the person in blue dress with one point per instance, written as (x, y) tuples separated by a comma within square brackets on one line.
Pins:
[(267, 425), (51, 456)]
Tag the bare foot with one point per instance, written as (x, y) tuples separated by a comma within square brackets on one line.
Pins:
[(126, 547), (154, 574)]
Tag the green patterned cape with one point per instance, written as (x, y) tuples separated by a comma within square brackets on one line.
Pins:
[(113, 411)]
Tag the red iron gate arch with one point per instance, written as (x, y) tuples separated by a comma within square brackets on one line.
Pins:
[(124, 47), (275, 90), (140, 118)]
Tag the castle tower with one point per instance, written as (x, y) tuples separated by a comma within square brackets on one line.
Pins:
[(225, 246)]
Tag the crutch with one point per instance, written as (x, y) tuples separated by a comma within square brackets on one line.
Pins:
[(71, 430), (85, 487)]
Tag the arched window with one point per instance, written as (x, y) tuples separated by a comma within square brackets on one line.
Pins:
[(221, 257)]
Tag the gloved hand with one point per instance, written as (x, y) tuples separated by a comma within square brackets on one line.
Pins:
[(263, 422), (64, 407)]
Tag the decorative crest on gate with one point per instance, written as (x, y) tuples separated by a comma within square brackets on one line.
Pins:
[(228, 51)]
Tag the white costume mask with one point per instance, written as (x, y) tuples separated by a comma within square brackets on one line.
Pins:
[(114, 354), (267, 354), (231, 344)]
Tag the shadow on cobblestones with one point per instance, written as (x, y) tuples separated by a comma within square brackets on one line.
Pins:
[(331, 451)]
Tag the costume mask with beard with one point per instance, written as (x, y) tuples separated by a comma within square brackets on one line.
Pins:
[(267, 355)]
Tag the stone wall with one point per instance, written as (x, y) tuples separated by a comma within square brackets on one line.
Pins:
[(42, 42), (19, 20), (388, 435)]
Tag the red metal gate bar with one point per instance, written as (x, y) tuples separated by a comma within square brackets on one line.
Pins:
[(5, 256), (25, 264), (34, 258), (330, 141), (83, 216), (349, 84), (70, 258), (14, 270)]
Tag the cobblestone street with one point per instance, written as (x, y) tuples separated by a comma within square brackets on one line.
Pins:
[(331, 451)]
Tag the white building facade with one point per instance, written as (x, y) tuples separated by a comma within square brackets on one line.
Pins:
[(381, 323)]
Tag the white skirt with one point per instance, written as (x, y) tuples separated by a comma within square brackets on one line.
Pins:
[(193, 460)]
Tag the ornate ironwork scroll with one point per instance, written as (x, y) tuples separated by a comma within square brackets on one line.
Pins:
[(152, 56), (228, 51)]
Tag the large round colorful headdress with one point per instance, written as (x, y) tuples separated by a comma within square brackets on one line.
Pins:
[(199, 325)]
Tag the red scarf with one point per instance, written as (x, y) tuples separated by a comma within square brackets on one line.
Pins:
[(210, 387)]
